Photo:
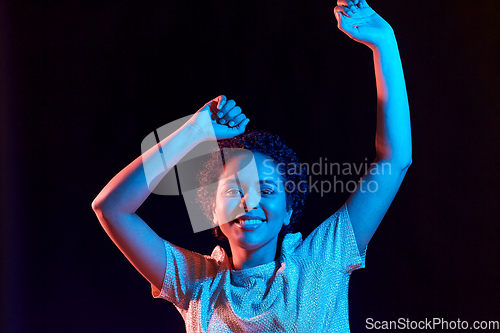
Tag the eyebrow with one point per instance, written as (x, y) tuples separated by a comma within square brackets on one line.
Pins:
[(234, 181), (267, 181)]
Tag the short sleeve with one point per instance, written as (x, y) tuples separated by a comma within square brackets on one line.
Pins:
[(184, 271), (333, 243)]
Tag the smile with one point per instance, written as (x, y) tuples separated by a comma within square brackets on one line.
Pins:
[(249, 224)]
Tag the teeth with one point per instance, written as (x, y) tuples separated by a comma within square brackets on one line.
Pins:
[(253, 221), (247, 222)]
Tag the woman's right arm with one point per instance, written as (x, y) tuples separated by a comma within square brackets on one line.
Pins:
[(116, 204)]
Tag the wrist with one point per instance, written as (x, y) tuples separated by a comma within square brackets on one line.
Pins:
[(197, 134), (386, 44)]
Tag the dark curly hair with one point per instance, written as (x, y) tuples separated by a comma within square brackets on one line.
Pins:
[(265, 143)]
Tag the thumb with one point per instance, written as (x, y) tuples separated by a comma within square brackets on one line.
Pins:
[(241, 126), (343, 21), (339, 11)]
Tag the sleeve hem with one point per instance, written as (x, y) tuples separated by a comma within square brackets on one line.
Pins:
[(160, 293), (358, 261)]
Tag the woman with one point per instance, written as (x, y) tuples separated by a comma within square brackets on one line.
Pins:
[(269, 284)]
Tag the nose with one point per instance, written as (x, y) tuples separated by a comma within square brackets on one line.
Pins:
[(250, 200)]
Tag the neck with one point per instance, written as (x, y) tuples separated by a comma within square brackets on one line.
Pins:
[(244, 258)]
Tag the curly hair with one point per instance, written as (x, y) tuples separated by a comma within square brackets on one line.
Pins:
[(265, 143)]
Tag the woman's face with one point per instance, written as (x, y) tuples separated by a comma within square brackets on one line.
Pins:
[(252, 201)]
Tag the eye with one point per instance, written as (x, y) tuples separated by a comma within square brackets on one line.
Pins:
[(234, 191), (267, 191)]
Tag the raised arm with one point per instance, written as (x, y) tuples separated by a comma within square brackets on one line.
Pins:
[(368, 204), (116, 204)]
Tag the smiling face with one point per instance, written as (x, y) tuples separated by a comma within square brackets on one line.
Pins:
[(253, 203)]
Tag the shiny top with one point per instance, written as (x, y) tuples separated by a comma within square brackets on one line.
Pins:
[(305, 290)]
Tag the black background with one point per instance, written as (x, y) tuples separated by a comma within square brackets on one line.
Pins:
[(84, 82)]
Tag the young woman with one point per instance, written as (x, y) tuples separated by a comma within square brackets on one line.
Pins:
[(271, 283)]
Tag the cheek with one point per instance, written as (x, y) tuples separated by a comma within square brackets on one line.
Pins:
[(225, 207), (276, 208), (224, 228)]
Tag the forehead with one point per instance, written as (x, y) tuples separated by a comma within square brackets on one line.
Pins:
[(250, 166)]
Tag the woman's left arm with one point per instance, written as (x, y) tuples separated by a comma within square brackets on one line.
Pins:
[(376, 190)]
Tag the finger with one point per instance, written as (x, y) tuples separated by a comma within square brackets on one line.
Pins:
[(237, 120), (342, 3), (353, 7), (339, 12), (342, 21), (222, 101), (241, 126), (363, 4), (227, 107), (232, 113)]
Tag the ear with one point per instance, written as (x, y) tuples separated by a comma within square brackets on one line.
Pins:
[(288, 217), (214, 221)]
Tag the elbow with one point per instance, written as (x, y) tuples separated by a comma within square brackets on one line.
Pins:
[(407, 163), (102, 202), (105, 207), (399, 158), (102, 213), (97, 206), (400, 165), (403, 165)]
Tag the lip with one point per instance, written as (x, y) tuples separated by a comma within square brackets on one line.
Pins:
[(246, 216)]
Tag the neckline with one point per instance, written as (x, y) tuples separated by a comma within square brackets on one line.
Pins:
[(289, 242), (254, 270)]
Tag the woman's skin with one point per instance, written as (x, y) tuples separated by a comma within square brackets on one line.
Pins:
[(393, 136), (116, 204), (262, 196)]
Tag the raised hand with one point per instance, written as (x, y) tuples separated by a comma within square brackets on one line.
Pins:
[(360, 22), (223, 116)]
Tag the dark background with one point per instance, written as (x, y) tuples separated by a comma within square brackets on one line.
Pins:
[(82, 83)]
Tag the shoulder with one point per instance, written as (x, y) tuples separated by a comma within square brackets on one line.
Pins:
[(333, 242), (331, 228), (220, 258)]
